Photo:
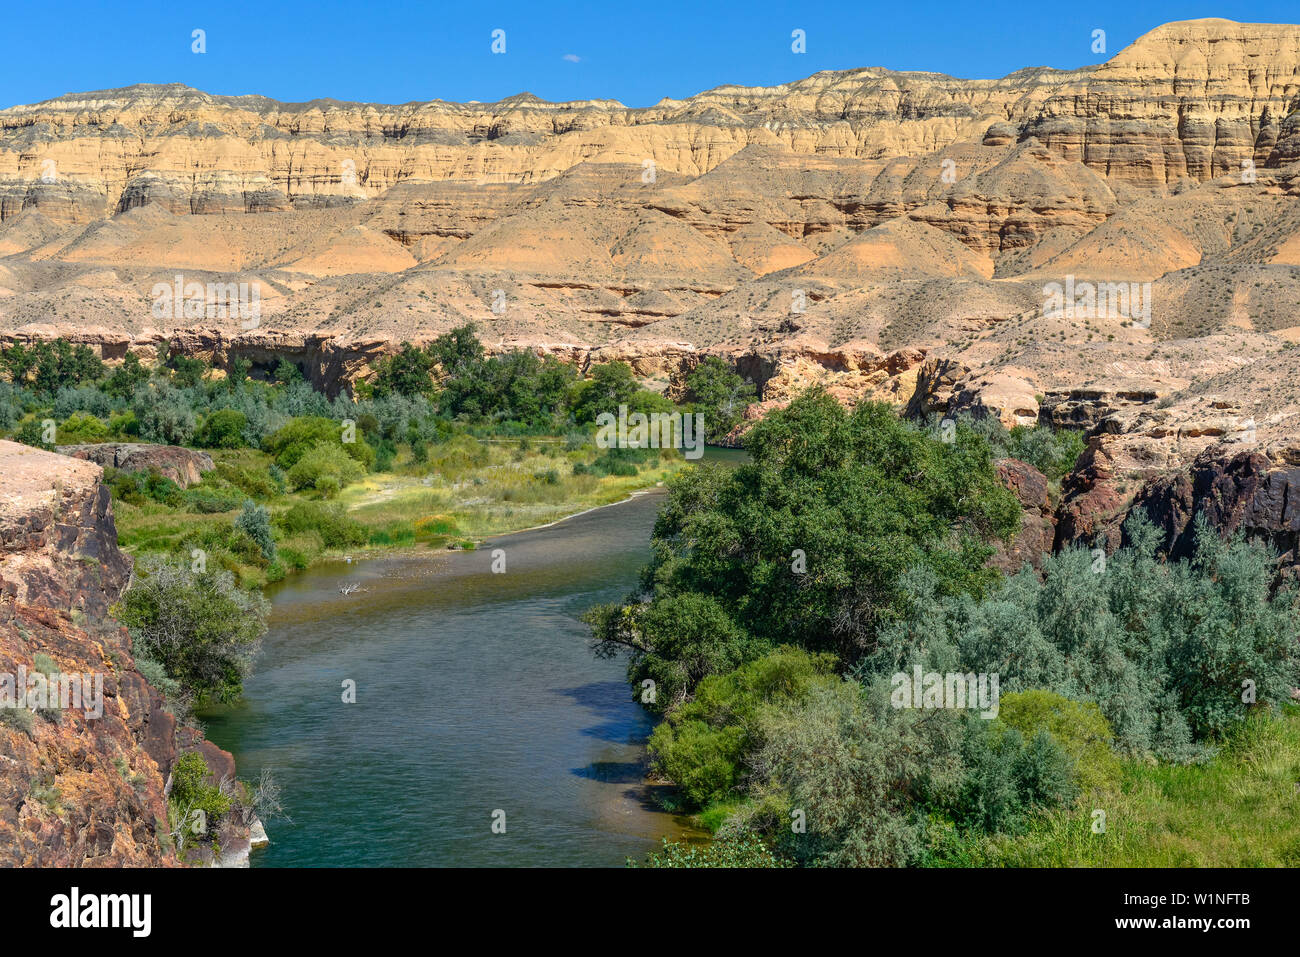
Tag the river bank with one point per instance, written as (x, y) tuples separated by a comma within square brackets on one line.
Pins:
[(462, 494)]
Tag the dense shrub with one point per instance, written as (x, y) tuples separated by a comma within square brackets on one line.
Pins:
[(200, 625), (331, 522), (211, 501), (325, 467), (222, 429), (704, 745), (196, 806), (255, 522), (164, 415), (290, 443), (82, 427), (139, 488), (33, 432), (1052, 451), (83, 399), (1079, 727), (10, 406)]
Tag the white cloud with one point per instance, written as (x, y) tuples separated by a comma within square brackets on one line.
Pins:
[(571, 57)]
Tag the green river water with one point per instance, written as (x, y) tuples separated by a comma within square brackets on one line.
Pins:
[(476, 692)]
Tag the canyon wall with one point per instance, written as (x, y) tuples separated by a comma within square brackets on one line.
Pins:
[(77, 788)]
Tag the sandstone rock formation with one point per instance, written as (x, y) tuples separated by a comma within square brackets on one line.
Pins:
[(865, 209)]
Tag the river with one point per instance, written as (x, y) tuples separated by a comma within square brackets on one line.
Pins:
[(478, 699)]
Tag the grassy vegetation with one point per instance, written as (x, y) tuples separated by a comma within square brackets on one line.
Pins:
[(1241, 808), (467, 489), (446, 447)]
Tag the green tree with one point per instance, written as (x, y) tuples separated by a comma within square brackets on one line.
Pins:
[(59, 364), (809, 543), (127, 377), (19, 361), (458, 350), (611, 385), (287, 373), (405, 373), (718, 393), (187, 372)]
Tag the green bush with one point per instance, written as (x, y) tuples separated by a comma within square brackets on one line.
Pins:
[(305, 433), (165, 416), (1163, 648), (255, 522), (1077, 726), (705, 744), (332, 523), (32, 432), (82, 427), (223, 429), (200, 625), (325, 467), (139, 488), (196, 806), (211, 501), (251, 481)]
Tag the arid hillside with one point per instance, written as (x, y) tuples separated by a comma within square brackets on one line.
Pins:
[(1122, 238)]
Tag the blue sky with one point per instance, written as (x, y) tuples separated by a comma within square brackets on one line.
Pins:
[(637, 51)]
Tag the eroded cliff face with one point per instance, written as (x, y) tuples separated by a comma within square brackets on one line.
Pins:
[(79, 786)]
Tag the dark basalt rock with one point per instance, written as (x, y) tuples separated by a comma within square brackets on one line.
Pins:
[(1242, 492)]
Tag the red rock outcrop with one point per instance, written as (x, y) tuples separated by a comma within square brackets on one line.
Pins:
[(79, 787), (1035, 537)]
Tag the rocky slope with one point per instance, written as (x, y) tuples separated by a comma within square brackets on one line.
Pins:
[(78, 787)]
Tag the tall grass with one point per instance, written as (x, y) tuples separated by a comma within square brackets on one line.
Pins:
[(1241, 808)]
